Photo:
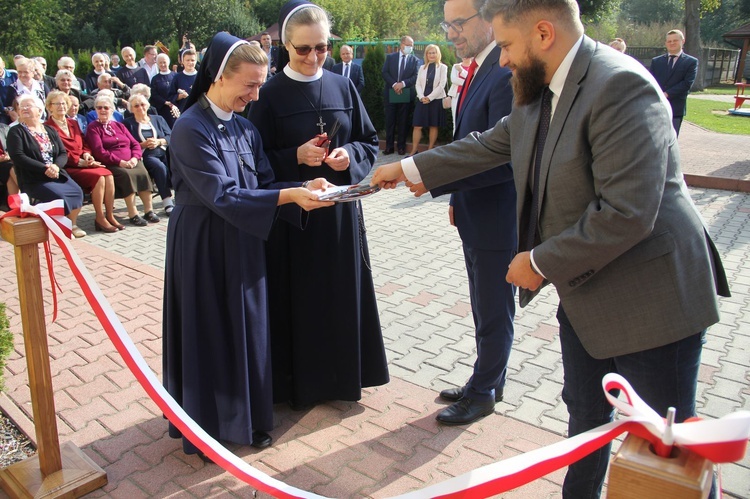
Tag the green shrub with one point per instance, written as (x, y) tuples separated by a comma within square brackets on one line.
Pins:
[(6, 343), (372, 95)]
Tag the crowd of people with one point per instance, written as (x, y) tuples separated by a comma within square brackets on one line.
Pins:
[(247, 224)]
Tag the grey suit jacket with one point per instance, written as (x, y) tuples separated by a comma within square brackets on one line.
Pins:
[(622, 241)]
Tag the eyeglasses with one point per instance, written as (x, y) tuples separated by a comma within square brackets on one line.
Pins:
[(457, 25), (58, 103), (321, 48), (99, 108), (138, 105)]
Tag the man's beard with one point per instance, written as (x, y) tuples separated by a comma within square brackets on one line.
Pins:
[(528, 81)]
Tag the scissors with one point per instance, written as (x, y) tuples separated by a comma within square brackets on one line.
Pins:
[(324, 140)]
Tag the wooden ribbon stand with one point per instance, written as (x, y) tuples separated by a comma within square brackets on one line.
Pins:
[(50, 473)]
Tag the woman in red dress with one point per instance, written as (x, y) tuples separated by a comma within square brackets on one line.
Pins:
[(91, 175)]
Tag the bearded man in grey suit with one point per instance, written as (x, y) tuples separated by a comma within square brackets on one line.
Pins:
[(611, 225)]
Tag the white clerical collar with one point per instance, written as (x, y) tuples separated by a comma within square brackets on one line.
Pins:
[(296, 76), (132, 67), (219, 112), (164, 72), (189, 73), (98, 73)]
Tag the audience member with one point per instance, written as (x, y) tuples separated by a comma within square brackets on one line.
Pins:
[(39, 159), (8, 181), (65, 80), (459, 72), (114, 63), (47, 79), (92, 79), (160, 85), (127, 71), (675, 72), (112, 145), (88, 173), (90, 107), (73, 113), (68, 63), (271, 52), (153, 134), (26, 84), (432, 79), (314, 361), (7, 78), (400, 75), (347, 68), (148, 67), (619, 45), (182, 83)]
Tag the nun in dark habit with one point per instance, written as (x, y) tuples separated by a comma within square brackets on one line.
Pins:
[(326, 339), (216, 349)]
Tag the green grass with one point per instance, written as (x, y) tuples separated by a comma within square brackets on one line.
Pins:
[(712, 115), (722, 89)]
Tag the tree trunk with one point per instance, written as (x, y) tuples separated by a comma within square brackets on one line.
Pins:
[(693, 38)]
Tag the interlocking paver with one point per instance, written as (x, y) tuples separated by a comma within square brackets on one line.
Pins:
[(389, 443)]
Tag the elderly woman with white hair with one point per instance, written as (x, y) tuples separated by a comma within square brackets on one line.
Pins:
[(39, 159), (160, 85), (99, 61), (153, 134), (26, 84), (112, 145), (65, 81), (68, 63)]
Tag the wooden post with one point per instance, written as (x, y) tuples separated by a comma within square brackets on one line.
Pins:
[(50, 473), (638, 473)]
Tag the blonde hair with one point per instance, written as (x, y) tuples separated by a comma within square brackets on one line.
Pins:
[(618, 44), (245, 53), (439, 55), (54, 95)]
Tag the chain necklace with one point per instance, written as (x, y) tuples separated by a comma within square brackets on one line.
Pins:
[(319, 108)]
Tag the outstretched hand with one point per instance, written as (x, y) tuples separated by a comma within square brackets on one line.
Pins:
[(388, 176)]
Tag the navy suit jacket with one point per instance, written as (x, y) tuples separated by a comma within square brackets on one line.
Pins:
[(409, 77), (676, 82), (355, 74), (484, 205)]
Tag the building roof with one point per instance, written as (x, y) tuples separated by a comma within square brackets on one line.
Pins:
[(741, 32)]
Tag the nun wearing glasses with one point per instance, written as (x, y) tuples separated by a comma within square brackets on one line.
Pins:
[(323, 271), (216, 349)]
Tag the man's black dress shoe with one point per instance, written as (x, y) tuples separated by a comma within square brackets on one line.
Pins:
[(454, 394), (401, 152), (465, 411), (388, 151), (261, 440)]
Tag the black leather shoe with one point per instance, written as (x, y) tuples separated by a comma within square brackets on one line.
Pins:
[(454, 394), (261, 440), (401, 152), (138, 221), (151, 217), (465, 411), (388, 151)]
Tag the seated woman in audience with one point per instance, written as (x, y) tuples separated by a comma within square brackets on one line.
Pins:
[(73, 113), (144, 90), (64, 80), (92, 115), (8, 182), (39, 159), (153, 133), (88, 173), (112, 145), (183, 81), (160, 85)]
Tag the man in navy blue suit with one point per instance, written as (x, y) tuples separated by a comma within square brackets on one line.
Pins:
[(347, 68), (675, 72), (400, 74), (483, 208)]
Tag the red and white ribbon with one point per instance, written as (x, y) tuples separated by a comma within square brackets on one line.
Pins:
[(721, 441)]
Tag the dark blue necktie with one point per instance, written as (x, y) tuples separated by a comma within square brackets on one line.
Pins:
[(541, 138), (346, 70), (401, 68), (672, 60)]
